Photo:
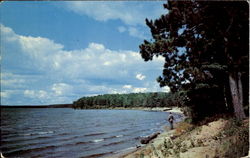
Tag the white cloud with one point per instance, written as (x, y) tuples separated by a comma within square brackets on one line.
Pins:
[(41, 94), (61, 88), (37, 45), (139, 90), (56, 94), (97, 47), (66, 75), (133, 31), (121, 29), (11, 80), (127, 86), (140, 76), (5, 94), (166, 89), (130, 13), (7, 34), (53, 96), (50, 56)]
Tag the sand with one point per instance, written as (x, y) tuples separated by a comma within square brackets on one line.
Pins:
[(166, 109), (200, 142)]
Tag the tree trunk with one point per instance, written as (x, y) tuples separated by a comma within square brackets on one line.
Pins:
[(225, 97), (240, 90), (237, 95)]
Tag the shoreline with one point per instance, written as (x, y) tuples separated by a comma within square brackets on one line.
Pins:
[(129, 152), (219, 138), (175, 110)]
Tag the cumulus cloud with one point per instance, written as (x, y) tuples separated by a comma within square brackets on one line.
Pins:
[(133, 31), (95, 60), (8, 34), (127, 86), (61, 88), (122, 29), (12, 81), (140, 76), (166, 89), (45, 97), (5, 94), (58, 75), (130, 13), (139, 90), (57, 93), (41, 94)]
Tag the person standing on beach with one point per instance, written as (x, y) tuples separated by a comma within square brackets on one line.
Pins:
[(171, 120)]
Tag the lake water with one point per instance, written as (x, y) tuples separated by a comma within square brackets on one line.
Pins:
[(65, 132)]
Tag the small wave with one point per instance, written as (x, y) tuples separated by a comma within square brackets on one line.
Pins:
[(111, 137), (126, 150), (152, 129), (137, 131), (122, 130), (49, 132), (63, 134), (97, 140), (38, 133), (22, 151), (97, 155), (94, 134), (119, 136), (114, 143), (78, 143)]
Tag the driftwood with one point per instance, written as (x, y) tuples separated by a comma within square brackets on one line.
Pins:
[(167, 109), (146, 140)]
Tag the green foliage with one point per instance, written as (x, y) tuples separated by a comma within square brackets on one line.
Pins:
[(203, 42), (158, 99), (205, 102), (207, 32)]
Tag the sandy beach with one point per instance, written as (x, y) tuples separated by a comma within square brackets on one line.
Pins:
[(199, 142), (189, 141), (166, 109)]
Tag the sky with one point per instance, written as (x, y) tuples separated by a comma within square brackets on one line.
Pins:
[(57, 52)]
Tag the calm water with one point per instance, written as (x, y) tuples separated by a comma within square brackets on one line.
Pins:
[(74, 133)]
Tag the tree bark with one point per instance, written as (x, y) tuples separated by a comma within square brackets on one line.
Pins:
[(237, 95), (240, 90), (225, 97)]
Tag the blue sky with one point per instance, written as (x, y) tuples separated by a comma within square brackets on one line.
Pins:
[(57, 52)]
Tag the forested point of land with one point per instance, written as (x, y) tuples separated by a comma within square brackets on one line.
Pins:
[(156, 99)]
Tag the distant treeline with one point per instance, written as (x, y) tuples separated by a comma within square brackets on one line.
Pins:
[(38, 106), (157, 99)]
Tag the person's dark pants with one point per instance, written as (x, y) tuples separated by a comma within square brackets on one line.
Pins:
[(171, 125)]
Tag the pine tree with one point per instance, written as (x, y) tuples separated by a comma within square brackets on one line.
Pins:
[(205, 45)]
